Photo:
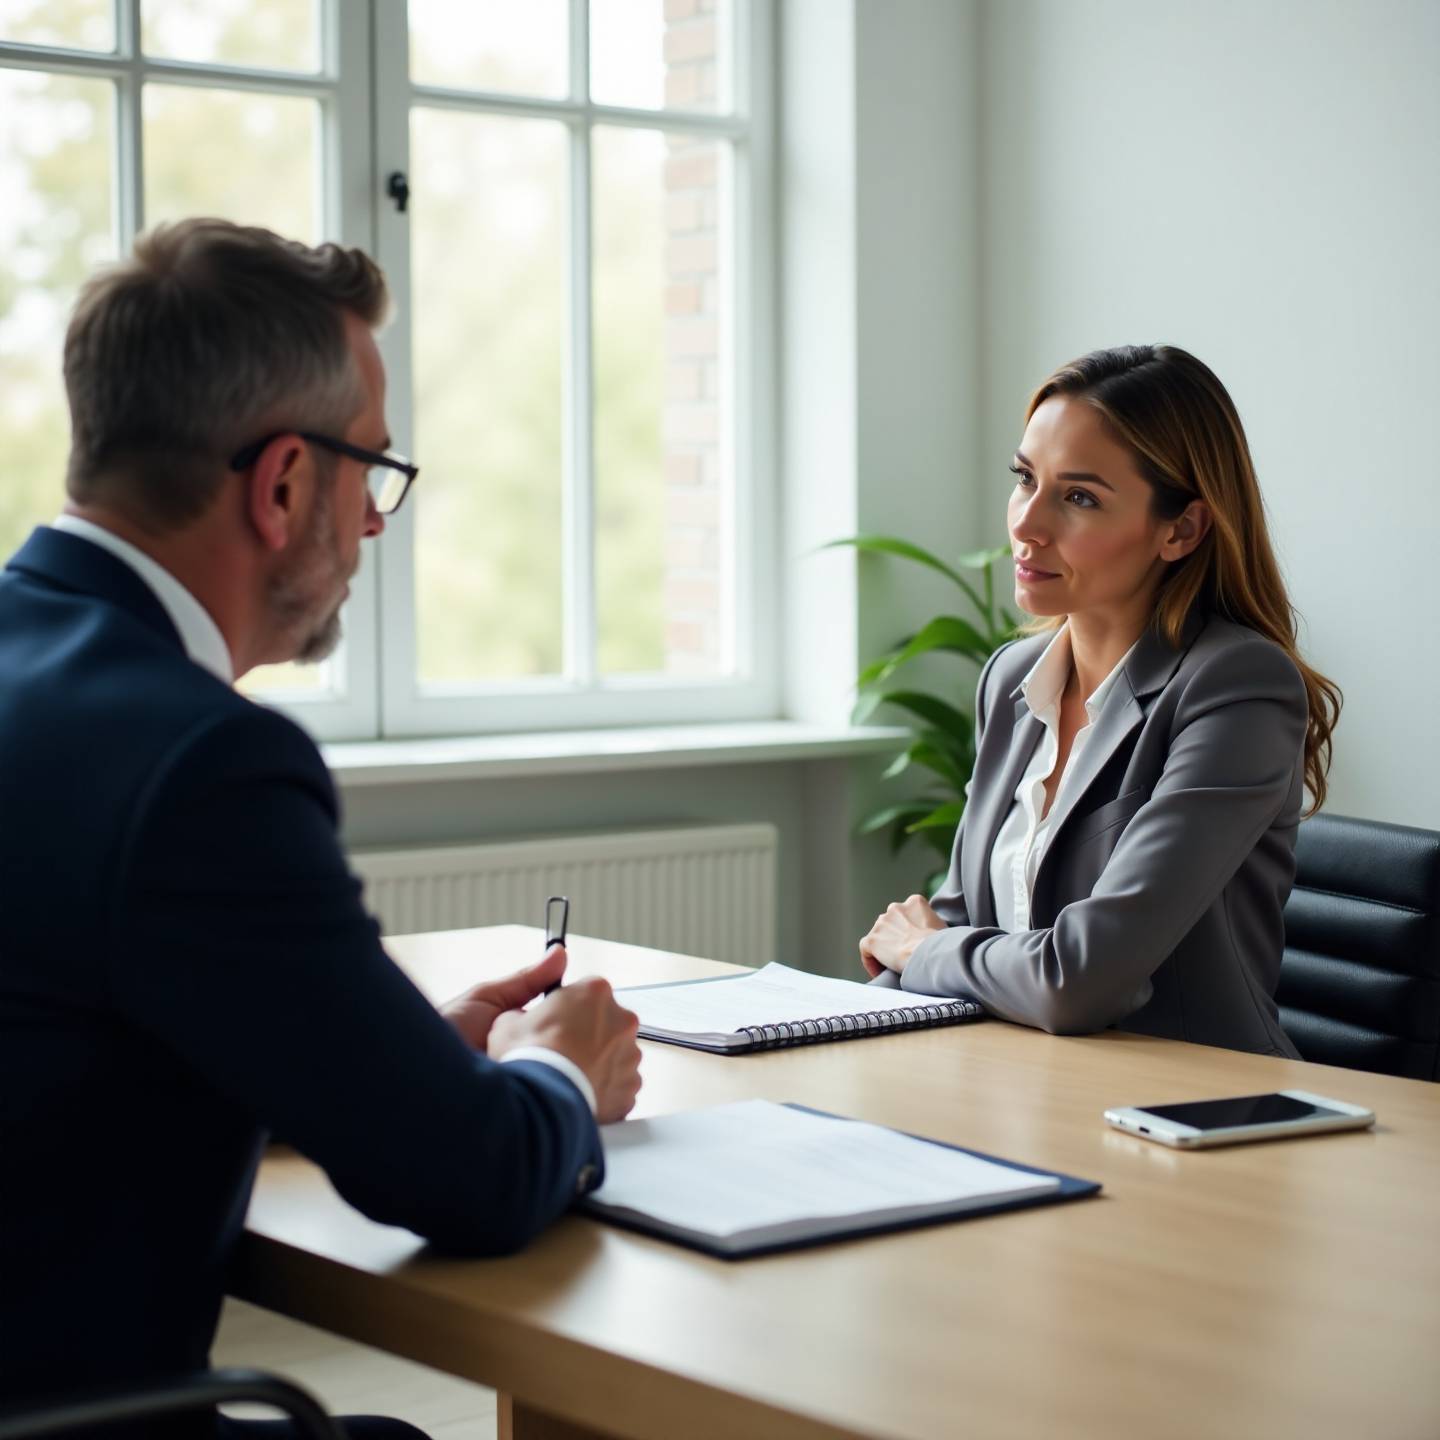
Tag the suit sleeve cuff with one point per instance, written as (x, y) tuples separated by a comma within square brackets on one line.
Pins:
[(556, 1061)]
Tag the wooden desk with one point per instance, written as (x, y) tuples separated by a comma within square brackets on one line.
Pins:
[(1268, 1290)]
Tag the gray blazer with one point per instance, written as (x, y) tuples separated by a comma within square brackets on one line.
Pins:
[(1157, 906)]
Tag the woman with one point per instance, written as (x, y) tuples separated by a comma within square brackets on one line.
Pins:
[(1128, 843)]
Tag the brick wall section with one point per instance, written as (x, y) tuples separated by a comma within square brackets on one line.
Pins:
[(695, 502)]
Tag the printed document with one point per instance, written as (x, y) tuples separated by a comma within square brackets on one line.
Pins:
[(755, 1173)]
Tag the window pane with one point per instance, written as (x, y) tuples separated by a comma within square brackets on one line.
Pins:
[(659, 53), (241, 156), (75, 24), (491, 45), (269, 34), (487, 272), (662, 488), (289, 682), (55, 227)]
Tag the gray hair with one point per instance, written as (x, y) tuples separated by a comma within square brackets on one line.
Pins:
[(211, 336)]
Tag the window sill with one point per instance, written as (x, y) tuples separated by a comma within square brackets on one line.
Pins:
[(579, 752)]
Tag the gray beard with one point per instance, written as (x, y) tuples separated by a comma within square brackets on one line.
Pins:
[(322, 642), (292, 594)]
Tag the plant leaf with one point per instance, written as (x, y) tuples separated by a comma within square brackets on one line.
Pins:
[(930, 755), (945, 632), (893, 545), (957, 750), (866, 706), (876, 668), (906, 550), (943, 817), (909, 811), (942, 715), (981, 559), (943, 734), (897, 766), (900, 837)]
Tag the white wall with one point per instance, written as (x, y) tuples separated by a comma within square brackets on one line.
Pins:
[(1257, 181), (879, 282), (918, 288), (880, 312)]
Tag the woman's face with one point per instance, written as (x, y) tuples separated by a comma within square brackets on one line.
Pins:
[(1085, 540)]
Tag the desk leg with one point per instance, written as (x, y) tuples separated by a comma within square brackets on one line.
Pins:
[(518, 1421)]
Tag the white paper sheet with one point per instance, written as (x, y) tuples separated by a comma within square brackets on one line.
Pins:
[(755, 1165)]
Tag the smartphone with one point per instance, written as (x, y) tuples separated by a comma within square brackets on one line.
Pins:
[(1196, 1123)]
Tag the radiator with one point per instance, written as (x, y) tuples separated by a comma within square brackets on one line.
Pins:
[(697, 890)]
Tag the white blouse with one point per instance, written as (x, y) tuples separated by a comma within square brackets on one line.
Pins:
[(1020, 846)]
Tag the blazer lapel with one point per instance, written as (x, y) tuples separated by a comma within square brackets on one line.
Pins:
[(985, 814), (1121, 715), (1146, 673)]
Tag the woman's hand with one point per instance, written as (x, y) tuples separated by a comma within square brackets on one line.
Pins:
[(894, 936)]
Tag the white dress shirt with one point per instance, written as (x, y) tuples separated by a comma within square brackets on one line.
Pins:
[(206, 646), (1020, 846), (199, 634)]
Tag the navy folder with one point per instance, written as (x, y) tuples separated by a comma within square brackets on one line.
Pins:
[(821, 1230)]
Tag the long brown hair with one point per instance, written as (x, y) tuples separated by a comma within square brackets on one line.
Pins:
[(1179, 420)]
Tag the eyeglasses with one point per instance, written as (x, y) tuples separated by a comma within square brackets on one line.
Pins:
[(387, 490)]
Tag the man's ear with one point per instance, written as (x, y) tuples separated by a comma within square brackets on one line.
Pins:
[(271, 490), (1182, 535)]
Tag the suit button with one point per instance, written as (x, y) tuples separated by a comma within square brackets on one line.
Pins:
[(585, 1180)]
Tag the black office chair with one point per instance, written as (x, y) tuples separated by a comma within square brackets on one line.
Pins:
[(1360, 978), (138, 1404)]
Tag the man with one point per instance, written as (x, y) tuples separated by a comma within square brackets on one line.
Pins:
[(185, 962)]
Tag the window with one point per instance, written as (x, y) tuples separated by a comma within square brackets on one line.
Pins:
[(581, 355)]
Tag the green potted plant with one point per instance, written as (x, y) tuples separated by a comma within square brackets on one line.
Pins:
[(942, 730)]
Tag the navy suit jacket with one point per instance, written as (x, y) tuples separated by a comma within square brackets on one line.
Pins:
[(185, 964)]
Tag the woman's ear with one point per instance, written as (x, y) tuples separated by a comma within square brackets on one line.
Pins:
[(270, 496), (1183, 534)]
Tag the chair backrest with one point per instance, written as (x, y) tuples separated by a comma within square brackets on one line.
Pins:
[(1360, 979)]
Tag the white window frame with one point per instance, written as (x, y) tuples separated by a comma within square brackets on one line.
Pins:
[(582, 699), (364, 94)]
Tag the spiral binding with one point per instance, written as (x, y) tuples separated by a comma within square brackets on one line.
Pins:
[(853, 1027)]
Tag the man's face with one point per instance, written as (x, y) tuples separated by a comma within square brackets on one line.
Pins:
[(308, 592)]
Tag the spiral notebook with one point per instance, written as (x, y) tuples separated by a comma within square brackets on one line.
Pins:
[(777, 1006)]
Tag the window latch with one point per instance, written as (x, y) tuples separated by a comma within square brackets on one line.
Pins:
[(397, 187)]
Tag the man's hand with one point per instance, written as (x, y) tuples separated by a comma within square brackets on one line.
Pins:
[(583, 1023), (474, 1013), (894, 936)]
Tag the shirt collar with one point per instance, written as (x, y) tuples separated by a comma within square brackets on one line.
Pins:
[(199, 634), (1045, 682)]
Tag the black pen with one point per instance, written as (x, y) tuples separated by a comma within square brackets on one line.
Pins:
[(555, 935)]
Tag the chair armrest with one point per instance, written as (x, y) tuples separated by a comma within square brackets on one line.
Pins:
[(151, 1401)]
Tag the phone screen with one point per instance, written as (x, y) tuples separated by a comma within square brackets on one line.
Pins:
[(1242, 1110)]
